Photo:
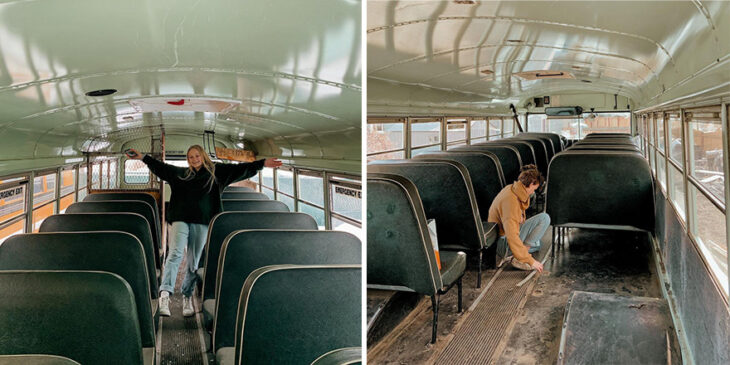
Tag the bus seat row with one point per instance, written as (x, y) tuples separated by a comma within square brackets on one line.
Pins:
[(116, 252), (294, 314), (600, 189), (245, 252), (400, 251), (35, 359), (509, 157), (86, 316), (243, 195), (253, 205), (141, 196), (447, 195), (131, 223), (239, 189)]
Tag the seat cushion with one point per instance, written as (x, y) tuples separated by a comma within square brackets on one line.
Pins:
[(491, 233), (452, 266), (225, 356), (208, 313)]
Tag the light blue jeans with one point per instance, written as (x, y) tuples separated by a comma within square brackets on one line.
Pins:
[(184, 235), (530, 233)]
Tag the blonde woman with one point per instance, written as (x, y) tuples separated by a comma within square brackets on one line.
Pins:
[(195, 200)]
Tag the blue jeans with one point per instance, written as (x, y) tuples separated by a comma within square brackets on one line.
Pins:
[(184, 235), (530, 233)]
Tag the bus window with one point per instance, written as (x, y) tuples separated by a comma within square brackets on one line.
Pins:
[(385, 140), (83, 179), (478, 132), (136, 172), (346, 206)]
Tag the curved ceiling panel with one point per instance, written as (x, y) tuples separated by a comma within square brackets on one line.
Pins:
[(291, 67), (649, 51)]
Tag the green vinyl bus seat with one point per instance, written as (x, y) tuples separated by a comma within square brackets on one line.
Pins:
[(509, 158), (116, 252), (291, 314), (554, 138), (542, 158), (547, 142), (145, 197), (131, 223), (243, 195), (245, 251), (343, 356), (87, 316), (600, 189), (254, 205), (447, 195), (606, 141), (36, 360), (607, 135), (123, 206), (239, 189), (484, 170), (226, 223), (400, 254), (604, 147), (525, 150)]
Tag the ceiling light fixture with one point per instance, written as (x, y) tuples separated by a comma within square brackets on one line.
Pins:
[(102, 92)]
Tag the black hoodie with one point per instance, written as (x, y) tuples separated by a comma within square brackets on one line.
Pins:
[(193, 200)]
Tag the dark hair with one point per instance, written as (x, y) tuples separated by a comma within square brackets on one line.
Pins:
[(530, 175)]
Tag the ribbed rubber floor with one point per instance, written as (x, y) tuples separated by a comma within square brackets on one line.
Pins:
[(477, 339), (180, 335)]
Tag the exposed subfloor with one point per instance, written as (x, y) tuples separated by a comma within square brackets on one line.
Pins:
[(522, 325)]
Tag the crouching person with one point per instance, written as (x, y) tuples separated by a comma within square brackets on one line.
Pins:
[(520, 236)]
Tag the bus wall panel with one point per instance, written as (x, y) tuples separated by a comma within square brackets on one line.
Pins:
[(701, 309)]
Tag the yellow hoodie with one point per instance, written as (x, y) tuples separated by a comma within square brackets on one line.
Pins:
[(508, 211)]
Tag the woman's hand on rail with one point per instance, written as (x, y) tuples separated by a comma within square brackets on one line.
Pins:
[(133, 154), (272, 162)]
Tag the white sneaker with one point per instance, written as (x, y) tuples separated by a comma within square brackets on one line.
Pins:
[(188, 309), (164, 306)]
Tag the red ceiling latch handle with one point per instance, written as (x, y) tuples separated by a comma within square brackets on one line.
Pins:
[(178, 102)]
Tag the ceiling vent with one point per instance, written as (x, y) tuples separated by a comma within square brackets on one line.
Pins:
[(156, 105), (543, 74)]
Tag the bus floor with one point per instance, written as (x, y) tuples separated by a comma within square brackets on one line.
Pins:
[(181, 339), (505, 324)]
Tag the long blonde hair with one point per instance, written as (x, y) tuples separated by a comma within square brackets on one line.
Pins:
[(207, 164)]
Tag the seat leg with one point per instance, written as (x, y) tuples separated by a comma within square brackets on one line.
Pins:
[(552, 244), (435, 306), (458, 286), (479, 278)]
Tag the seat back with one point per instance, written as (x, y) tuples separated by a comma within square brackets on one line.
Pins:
[(554, 138), (343, 356), (226, 223), (527, 154), (542, 158), (239, 189), (547, 141), (605, 147), (254, 205), (608, 135), (89, 317), (115, 252), (131, 223), (36, 360), (447, 195), (145, 197), (399, 248), (484, 170), (245, 251), (243, 195), (322, 306), (509, 158), (600, 188), (122, 206)]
